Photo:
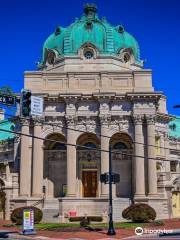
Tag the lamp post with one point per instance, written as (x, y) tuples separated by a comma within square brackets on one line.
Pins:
[(111, 230)]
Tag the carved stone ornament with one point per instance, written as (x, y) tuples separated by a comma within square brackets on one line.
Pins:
[(138, 119), (120, 124), (88, 124), (105, 119), (25, 122), (71, 120), (150, 119)]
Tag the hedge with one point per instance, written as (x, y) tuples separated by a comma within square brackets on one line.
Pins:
[(17, 215), (139, 212)]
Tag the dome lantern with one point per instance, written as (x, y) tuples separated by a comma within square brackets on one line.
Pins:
[(90, 10)]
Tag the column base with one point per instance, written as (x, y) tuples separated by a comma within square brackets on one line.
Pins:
[(104, 196), (38, 195), (140, 197), (24, 195), (153, 195), (70, 195)]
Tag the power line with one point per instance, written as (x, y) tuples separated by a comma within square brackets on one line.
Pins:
[(80, 146), (76, 130)]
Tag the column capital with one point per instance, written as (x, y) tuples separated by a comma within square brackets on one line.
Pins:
[(38, 120), (105, 119), (25, 122), (138, 119), (71, 120), (150, 119)]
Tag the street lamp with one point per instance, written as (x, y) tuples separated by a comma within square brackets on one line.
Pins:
[(111, 230)]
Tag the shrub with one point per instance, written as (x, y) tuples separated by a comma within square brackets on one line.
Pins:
[(158, 223), (139, 212), (17, 215)]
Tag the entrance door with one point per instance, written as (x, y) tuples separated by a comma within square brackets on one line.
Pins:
[(89, 181), (176, 204), (2, 204)]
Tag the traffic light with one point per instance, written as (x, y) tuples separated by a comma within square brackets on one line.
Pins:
[(25, 102), (104, 178)]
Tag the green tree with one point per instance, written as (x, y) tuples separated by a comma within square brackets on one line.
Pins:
[(6, 90)]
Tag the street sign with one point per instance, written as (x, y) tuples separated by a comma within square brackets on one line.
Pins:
[(36, 106), (8, 100)]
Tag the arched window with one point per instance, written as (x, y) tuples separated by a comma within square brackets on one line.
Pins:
[(119, 146), (90, 145), (59, 146)]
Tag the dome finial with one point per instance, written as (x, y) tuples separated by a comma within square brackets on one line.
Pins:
[(90, 9)]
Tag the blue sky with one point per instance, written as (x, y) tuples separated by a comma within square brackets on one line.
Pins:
[(25, 25)]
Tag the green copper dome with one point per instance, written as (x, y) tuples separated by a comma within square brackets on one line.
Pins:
[(108, 40), (174, 128)]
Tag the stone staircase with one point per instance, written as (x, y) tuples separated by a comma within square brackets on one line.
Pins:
[(51, 211), (119, 204)]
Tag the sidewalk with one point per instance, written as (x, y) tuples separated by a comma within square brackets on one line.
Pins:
[(92, 235)]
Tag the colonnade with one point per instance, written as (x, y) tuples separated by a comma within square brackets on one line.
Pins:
[(34, 170)]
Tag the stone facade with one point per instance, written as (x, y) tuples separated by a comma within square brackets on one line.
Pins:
[(91, 104)]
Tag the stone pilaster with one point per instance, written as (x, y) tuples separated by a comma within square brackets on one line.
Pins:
[(167, 153), (7, 204), (152, 174), (104, 155), (71, 157), (139, 158), (37, 174), (25, 162)]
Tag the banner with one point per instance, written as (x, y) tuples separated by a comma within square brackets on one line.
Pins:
[(28, 221)]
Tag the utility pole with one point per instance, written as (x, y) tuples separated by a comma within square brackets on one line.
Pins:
[(111, 230)]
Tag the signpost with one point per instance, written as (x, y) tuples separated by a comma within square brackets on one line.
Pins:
[(28, 221), (7, 100), (36, 106)]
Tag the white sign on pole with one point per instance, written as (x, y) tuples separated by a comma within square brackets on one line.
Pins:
[(36, 106)]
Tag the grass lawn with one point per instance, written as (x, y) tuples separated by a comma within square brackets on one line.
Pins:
[(51, 226), (73, 226)]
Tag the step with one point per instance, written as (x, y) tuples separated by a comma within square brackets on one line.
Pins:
[(51, 204), (50, 215)]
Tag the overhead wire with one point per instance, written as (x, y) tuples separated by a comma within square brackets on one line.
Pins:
[(77, 130), (82, 146)]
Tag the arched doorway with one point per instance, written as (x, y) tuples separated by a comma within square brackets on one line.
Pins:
[(88, 165), (176, 198), (121, 145), (55, 166), (2, 200)]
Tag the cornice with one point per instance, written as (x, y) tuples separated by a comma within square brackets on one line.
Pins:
[(104, 95)]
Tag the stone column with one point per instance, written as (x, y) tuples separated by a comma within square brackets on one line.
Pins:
[(104, 155), (139, 158), (37, 174), (167, 153), (71, 157), (152, 174), (25, 162), (7, 204)]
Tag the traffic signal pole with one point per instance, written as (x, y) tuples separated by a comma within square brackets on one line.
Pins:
[(111, 230)]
